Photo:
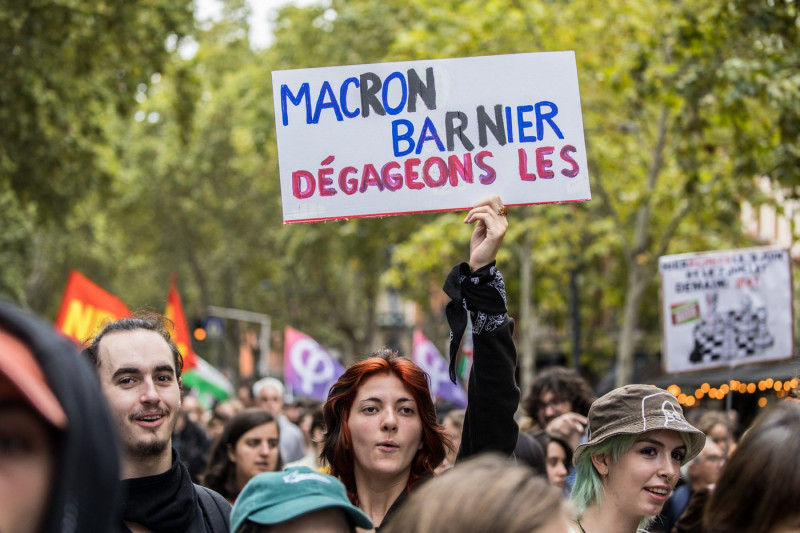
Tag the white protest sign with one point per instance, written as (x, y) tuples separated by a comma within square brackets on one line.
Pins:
[(435, 135), (726, 308)]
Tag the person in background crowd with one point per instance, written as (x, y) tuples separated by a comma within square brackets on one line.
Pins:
[(309, 410), (383, 436), (295, 410), (139, 367), (700, 473), (558, 402), (757, 490), (558, 459), (219, 416), (453, 423), (245, 394), (248, 446), (297, 500), (193, 408), (268, 394), (638, 439), (317, 437), (59, 468), (530, 453), (715, 425), (190, 439), (484, 494)]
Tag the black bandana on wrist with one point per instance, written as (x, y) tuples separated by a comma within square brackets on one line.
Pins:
[(481, 293)]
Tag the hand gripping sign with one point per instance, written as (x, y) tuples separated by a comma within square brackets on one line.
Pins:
[(434, 135)]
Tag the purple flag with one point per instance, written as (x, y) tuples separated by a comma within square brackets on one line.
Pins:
[(428, 357), (308, 369)]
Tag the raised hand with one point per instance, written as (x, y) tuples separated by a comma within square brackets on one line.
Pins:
[(490, 228)]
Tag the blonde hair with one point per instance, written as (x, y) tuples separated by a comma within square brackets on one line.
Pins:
[(483, 494)]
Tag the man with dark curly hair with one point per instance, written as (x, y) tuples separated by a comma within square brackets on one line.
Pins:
[(558, 402)]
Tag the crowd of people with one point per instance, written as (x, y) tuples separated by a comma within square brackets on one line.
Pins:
[(107, 440)]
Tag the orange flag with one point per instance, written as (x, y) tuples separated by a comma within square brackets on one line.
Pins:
[(85, 308), (180, 328)]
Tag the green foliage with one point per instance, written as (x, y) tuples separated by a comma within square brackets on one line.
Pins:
[(67, 65), (128, 161)]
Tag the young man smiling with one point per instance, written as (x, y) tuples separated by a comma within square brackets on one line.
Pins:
[(139, 367)]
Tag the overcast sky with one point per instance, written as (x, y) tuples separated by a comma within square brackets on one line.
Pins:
[(260, 32)]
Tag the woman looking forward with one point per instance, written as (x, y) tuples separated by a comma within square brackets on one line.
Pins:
[(382, 432), (638, 440)]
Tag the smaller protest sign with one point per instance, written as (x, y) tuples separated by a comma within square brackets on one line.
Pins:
[(726, 308)]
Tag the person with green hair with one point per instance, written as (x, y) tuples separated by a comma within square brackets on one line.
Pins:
[(638, 440)]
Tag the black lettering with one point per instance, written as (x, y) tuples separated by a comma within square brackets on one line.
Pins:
[(497, 127), (452, 130), (426, 91), (370, 86)]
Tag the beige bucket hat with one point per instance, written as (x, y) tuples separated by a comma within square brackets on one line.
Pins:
[(636, 409)]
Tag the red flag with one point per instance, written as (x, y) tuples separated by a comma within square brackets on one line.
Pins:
[(180, 328), (85, 308)]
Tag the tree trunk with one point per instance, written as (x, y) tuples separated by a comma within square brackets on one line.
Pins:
[(637, 282), (637, 259), (527, 355)]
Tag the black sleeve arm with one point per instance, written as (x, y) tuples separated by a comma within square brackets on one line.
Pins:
[(492, 394)]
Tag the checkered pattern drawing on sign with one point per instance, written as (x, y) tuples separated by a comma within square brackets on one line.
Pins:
[(732, 334)]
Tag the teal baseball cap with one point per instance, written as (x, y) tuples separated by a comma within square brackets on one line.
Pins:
[(275, 497)]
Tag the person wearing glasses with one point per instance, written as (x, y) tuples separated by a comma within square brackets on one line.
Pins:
[(558, 403)]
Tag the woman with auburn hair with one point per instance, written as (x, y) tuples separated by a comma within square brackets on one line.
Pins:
[(425, 455), (383, 436), (757, 490)]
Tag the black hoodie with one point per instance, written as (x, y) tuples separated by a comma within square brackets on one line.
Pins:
[(84, 496)]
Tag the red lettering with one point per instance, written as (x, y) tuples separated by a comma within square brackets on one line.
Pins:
[(392, 180), (524, 175), (411, 173), (430, 180), (490, 173), (302, 184), (565, 155), (460, 168), (348, 185), (370, 178), (325, 182), (542, 163)]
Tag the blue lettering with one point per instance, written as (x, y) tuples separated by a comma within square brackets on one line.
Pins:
[(404, 137), (303, 93), (343, 98), (331, 103), (509, 125), (403, 91), (523, 124), (428, 133), (542, 117)]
